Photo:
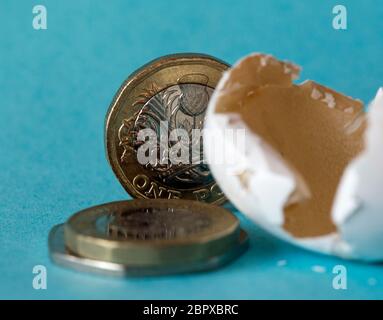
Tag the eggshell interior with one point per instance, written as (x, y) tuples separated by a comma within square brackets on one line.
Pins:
[(316, 132)]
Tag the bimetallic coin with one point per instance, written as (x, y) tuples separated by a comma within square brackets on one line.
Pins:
[(157, 223), (62, 256), (152, 233), (164, 101)]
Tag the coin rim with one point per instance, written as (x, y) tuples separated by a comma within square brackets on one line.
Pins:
[(61, 256), (98, 246), (135, 77), (227, 223)]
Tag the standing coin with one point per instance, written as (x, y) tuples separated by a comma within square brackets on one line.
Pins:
[(152, 233), (152, 136)]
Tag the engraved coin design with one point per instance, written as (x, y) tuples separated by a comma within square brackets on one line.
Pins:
[(151, 232), (181, 107), (154, 223), (168, 94)]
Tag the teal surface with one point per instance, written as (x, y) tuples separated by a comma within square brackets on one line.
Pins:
[(55, 88)]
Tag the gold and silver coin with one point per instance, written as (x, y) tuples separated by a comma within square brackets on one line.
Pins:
[(168, 94), (164, 232), (142, 237)]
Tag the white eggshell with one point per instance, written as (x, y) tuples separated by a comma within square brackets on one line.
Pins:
[(358, 207), (259, 183)]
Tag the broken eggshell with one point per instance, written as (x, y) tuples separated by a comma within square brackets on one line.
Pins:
[(308, 171)]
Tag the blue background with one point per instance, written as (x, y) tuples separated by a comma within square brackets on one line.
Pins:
[(55, 88)]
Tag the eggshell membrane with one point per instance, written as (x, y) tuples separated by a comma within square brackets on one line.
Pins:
[(300, 140)]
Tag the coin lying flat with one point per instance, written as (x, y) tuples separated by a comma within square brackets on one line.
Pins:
[(166, 96), (62, 256), (152, 233)]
